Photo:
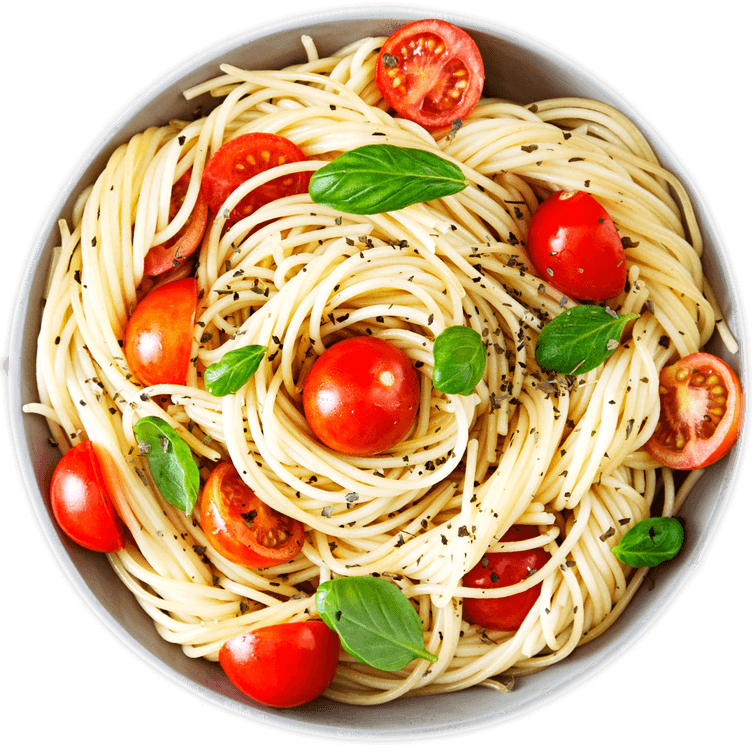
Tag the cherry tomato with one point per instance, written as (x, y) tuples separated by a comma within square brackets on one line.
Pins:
[(241, 159), (163, 257), (283, 665), (81, 504), (241, 527), (497, 570), (361, 396), (701, 411), (430, 72), (158, 339), (575, 246)]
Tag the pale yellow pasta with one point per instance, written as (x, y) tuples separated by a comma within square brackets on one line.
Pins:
[(562, 454)]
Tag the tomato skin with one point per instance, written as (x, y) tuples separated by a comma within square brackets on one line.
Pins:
[(504, 614), (283, 665), (361, 396), (243, 157), (426, 86), (158, 339), (173, 252), (702, 407), (241, 527), (81, 504), (574, 245)]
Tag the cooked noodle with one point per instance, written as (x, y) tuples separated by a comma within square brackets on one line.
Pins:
[(561, 454)]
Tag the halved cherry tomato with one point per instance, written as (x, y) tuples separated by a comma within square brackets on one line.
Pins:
[(701, 411), (158, 339), (430, 72), (361, 396), (241, 527), (173, 252), (283, 665), (498, 570), (241, 159), (575, 246), (81, 504)]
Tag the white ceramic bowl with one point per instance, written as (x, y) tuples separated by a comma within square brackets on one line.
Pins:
[(516, 68)]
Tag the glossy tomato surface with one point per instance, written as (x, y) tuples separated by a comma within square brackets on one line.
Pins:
[(430, 72), (574, 245), (241, 527), (81, 504), (244, 157), (701, 412), (361, 396), (498, 570), (174, 251), (283, 665), (158, 339)]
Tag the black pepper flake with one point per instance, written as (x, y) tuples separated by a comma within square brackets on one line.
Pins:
[(389, 61), (529, 148), (607, 535), (462, 532)]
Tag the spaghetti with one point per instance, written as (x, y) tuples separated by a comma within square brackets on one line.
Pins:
[(562, 453)]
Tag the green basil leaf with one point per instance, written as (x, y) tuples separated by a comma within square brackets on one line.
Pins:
[(374, 620), (171, 462), (459, 360), (234, 369), (650, 542), (379, 178), (580, 339)]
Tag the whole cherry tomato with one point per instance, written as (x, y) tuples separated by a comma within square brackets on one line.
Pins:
[(283, 665), (244, 157), (361, 396), (158, 339), (575, 246), (173, 252), (498, 570), (241, 527), (701, 412), (430, 72), (81, 504)]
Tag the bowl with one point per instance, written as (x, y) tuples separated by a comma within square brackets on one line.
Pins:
[(517, 68)]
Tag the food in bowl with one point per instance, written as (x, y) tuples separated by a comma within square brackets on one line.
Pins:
[(180, 332)]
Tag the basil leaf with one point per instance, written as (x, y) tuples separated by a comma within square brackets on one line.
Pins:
[(579, 339), (234, 369), (650, 542), (374, 620), (171, 462), (459, 360), (379, 178)]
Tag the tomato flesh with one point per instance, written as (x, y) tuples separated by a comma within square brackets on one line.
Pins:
[(244, 157), (430, 72), (241, 527), (158, 339), (283, 665), (701, 411), (361, 396), (498, 570), (81, 504), (173, 252), (574, 245)]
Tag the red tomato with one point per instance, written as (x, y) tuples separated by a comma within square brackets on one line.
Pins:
[(498, 570), (575, 246), (163, 257), (241, 159), (241, 527), (80, 503), (361, 396), (158, 339), (283, 665), (701, 411), (430, 72)]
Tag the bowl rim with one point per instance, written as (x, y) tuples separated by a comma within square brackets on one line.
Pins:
[(12, 408)]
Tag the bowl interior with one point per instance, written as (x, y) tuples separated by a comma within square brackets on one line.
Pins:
[(516, 68)]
